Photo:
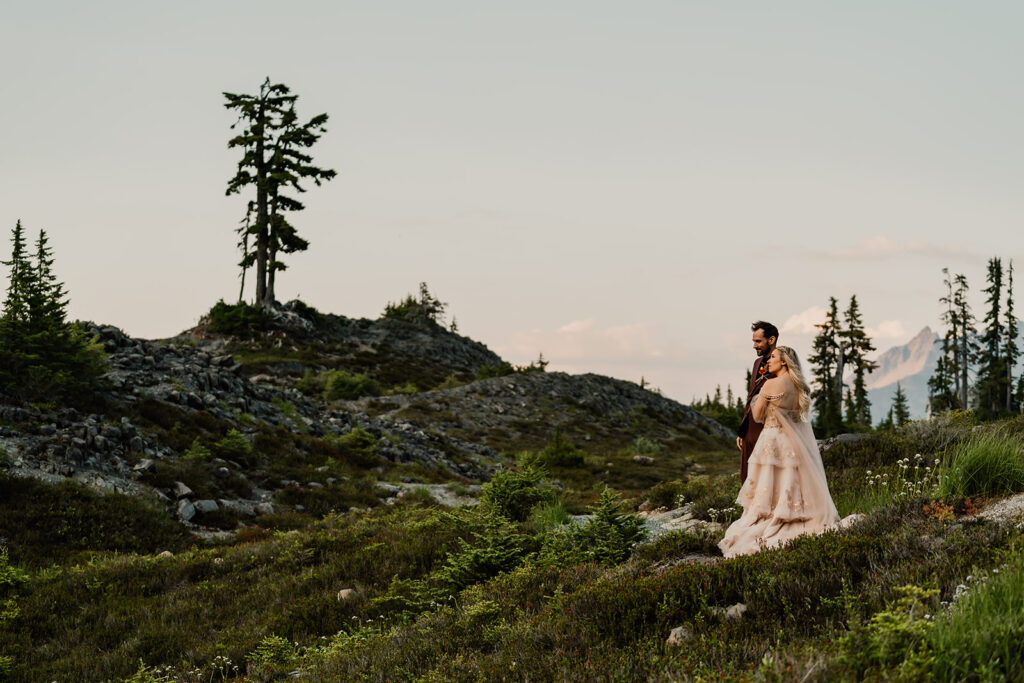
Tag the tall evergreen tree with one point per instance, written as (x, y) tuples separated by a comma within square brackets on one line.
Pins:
[(900, 410), (274, 162), (966, 345), (991, 387), (1011, 352), (857, 346), (825, 362), (42, 356), (19, 290), (944, 384)]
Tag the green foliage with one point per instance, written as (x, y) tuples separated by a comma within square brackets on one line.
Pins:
[(645, 446), (610, 536), (10, 576), (197, 451), (989, 463), (500, 370), (359, 446), (46, 523), (495, 549), (232, 446), (43, 357), (271, 657), (979, 637), (426, 310), (727, 411), (514, 494), (274, 163), (239, 319), (891, 641), (333, 385), (560, 453)]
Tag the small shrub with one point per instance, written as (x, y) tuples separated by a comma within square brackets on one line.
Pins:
[(10, 576), (500, 370), (271, 657), (645, 446), (497, 549), (986, 464), (197, 451), (405, 388), (340, 384), (239, 319), (360, 446), (561, 453), (892, 639), (515, 494), (232, 446), (428, 309)]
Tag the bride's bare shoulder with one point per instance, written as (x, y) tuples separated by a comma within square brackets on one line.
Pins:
[(776, 385)]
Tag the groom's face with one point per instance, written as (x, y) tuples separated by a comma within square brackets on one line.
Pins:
[(762, 345)]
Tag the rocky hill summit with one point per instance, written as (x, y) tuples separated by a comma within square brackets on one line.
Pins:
[(208, 423)]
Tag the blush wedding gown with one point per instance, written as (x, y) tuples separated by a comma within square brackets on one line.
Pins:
[(785, 493)]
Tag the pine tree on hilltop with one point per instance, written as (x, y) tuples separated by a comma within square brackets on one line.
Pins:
[(273, 163), (42, 356)]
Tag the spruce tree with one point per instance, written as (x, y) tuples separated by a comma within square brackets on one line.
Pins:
[(857, 346), (991, 386), (944, 384), (824, 362), (900, 411), (42, 356), (966, 346), (19, 290), (1010, 350), (274, 162)]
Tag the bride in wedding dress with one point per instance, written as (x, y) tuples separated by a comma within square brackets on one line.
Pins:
[(785, 493)]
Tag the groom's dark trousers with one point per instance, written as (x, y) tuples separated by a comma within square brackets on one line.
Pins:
[(750, 429)]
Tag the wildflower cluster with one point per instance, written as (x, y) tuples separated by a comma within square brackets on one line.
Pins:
[(912, 478), (728, 514)]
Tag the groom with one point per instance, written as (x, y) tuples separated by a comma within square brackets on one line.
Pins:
[(765, 337)]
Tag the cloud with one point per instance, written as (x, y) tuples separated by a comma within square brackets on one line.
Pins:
[(880, 247), (584, 340), (803, 322), (888, 329)]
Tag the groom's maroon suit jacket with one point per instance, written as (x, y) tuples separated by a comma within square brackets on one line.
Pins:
[(749, 428)]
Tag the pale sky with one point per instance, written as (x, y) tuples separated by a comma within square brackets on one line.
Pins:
[(621, 186)]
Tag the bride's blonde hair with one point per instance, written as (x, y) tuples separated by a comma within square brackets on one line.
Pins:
[(792, 362)]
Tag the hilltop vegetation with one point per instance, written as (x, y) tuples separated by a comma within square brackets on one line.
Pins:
[(598, 506)]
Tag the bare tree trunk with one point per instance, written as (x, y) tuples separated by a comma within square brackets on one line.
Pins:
[(837, 385)]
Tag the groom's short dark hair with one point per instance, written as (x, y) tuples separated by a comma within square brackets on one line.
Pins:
[(768, 329)]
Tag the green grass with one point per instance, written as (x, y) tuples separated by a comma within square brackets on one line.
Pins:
[(979, 637), (987, 464)]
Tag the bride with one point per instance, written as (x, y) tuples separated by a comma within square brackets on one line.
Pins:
[(785, 493)]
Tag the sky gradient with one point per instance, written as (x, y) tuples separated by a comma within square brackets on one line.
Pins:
[(623, 188)]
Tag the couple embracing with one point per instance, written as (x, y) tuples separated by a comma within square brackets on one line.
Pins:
[(784, 493)]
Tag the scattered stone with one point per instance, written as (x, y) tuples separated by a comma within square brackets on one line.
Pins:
[(165, 554), (144, 465), (731, 613), (186, 510), (643, 459), (206, 505), (181, 490), (347, 594), (679, 636)]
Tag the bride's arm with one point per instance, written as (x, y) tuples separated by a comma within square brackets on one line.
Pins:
[(772, 390)]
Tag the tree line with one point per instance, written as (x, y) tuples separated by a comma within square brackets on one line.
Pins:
[(975, 370)]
